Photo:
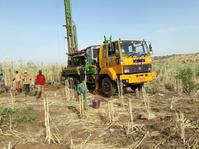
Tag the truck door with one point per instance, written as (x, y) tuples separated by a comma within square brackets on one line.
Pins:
[(114, 58), (104, 58), (112, 54)]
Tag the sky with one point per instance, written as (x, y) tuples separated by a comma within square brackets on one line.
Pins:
[(32, 30)]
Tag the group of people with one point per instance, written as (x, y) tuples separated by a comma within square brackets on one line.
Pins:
[(24, 83)]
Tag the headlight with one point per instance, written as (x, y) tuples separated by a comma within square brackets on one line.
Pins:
[(126, 70), (149, 69)]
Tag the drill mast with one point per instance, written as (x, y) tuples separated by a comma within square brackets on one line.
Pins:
[(70, 29)]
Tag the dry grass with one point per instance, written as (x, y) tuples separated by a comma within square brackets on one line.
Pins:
[(168, 69), (132, 125), (52, 72), (182, 124)]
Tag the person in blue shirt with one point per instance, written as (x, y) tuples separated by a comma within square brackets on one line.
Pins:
[(1, 79), (2, 83)]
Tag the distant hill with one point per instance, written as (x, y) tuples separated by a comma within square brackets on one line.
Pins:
[(178, 57)]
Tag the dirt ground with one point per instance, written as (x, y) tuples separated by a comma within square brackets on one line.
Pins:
[(95, 131)]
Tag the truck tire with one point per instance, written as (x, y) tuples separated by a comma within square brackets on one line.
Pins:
[(140, 90), (139, 87), (108, 87), (133, 88)]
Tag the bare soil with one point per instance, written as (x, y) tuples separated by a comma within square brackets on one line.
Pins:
[(94, 129)]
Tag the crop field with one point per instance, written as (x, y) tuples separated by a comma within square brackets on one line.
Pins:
[(165, 116)]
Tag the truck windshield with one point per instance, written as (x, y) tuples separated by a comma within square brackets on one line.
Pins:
[(130, 48)]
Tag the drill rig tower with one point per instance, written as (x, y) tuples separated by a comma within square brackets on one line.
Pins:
[(70, 29)]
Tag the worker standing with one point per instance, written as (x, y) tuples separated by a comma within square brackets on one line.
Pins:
[(26, 82), (82, 90), (2, 83), (40, 82), (17, 81)]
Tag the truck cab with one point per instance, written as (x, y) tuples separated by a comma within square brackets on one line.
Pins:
[(127, 60)]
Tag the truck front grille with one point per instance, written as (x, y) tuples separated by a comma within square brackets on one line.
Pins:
[(138, 68)]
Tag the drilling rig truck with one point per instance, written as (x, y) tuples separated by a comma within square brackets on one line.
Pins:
[(128, 61)]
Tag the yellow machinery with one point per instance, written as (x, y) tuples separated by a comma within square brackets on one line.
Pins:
[(126, 60)]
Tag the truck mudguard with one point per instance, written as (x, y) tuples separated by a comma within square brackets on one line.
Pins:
[(110, 72)]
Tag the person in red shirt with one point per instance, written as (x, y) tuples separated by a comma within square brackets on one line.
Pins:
[(40, 82)]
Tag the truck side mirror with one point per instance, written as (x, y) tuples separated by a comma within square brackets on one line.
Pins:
[(69, 62), (150, 48)]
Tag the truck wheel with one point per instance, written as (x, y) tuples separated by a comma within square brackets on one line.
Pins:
[(140, 89), (135, 87), (108, 87)]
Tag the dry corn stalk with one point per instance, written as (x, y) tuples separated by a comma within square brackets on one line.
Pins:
[(82, 145), (8, 67), (9, 146), (182, 124), (130, 110), (49, 136), (10, 119), (147, 104), (111, 111), (72, 146), (12, 98), (140, 142), (178, 86), (173, 100), (129, 128), (81, 105), (67, 90), (120, 91), (71, 88)]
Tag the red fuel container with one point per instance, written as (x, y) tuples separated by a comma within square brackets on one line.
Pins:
[(96, 104)]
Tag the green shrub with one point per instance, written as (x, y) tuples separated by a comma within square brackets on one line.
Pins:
[(161, 78), (186, 76), (25, 115), (26, 118), (196, 87), (22, 115), (197, 71), (5, 113), (152, 90), (169, 86)]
